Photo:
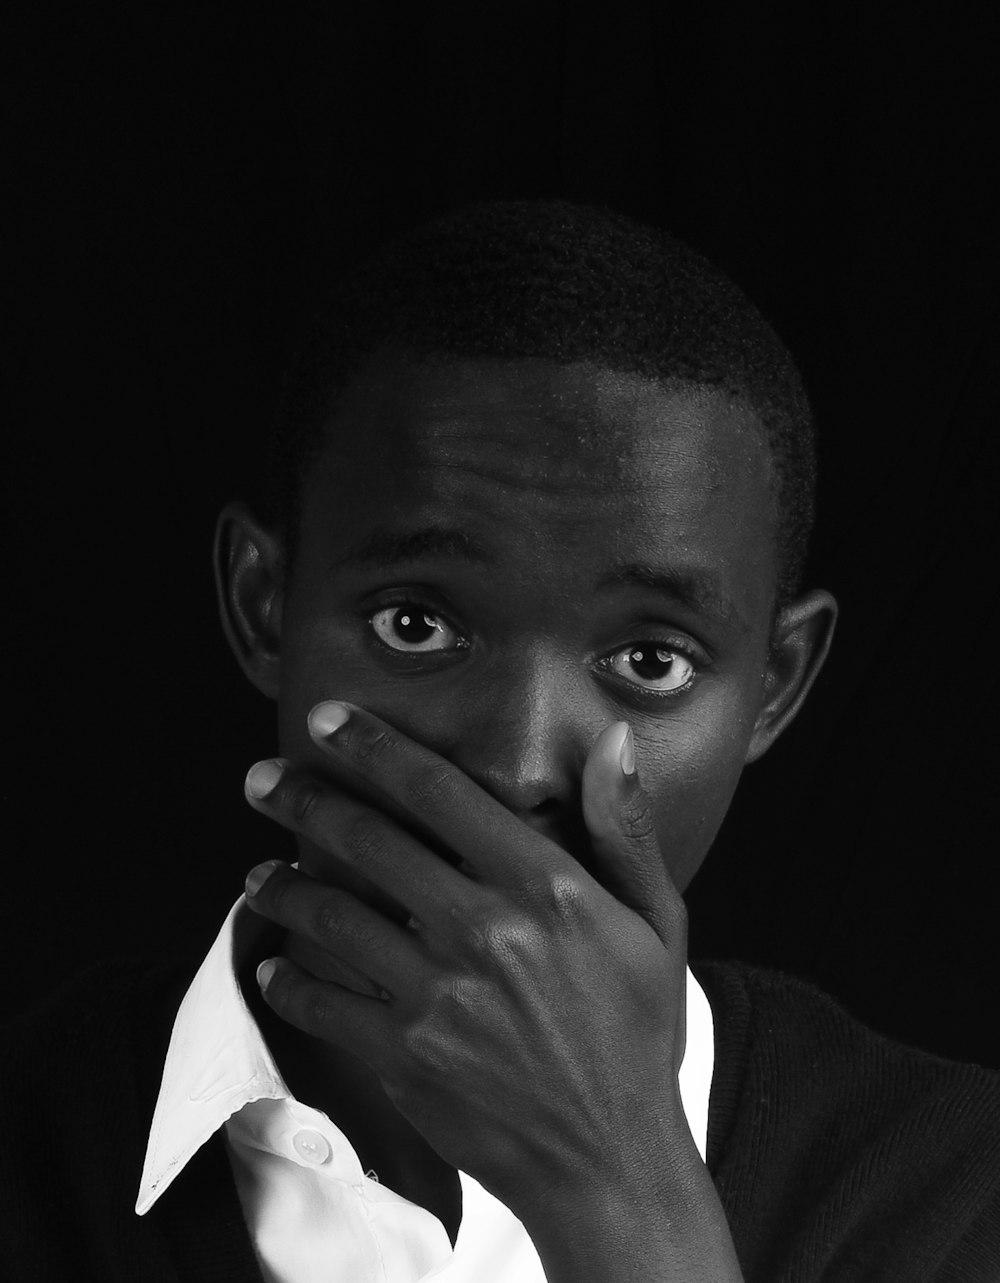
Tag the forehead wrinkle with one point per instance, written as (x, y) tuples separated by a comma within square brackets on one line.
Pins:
[(539, 483), (530, 457), (639, 458), (386, 546)]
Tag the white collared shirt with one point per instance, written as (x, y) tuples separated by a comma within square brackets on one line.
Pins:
[(313, 1215)]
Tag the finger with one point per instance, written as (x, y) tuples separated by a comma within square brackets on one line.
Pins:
[(619, 818), (434, 794), (360, 1024), (337, 923), (372, 844)]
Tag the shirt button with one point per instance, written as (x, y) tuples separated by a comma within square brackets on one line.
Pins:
[(312, 1146)]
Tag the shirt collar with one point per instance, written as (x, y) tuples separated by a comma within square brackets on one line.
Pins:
[(218, 1062)]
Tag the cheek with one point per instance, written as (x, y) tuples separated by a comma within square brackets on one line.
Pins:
[(322, 660), (316, 665)]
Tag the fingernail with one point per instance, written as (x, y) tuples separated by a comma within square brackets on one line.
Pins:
[(264, 973), (628, 753), (262, 778), (258, 876), (327, 718)]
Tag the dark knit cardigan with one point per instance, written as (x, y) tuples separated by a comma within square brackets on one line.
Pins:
[(838, 1155)]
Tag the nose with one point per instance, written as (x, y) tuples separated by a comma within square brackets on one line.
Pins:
[(524, 735)]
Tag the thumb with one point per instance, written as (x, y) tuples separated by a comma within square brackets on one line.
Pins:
[(619, 818)]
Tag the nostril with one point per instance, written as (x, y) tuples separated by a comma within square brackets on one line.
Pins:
[(549, 813), (552, 820)]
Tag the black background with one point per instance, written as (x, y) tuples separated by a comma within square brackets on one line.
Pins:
[(176, 181)]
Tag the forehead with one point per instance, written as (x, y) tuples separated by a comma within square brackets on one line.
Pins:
[(582, 420), (586, 460)]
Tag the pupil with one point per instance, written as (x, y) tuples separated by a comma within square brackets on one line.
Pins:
[(412, 627), (651, 664)]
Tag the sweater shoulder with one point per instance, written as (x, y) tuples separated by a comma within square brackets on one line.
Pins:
[(90, 1015), (80, 1073), (875, 1151), (814, 1030), (107, 1028)]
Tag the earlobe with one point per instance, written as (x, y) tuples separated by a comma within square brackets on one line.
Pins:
[(249, 578), (800, 644)]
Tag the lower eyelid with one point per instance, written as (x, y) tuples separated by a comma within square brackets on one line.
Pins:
[(646, 696), (605, 664)]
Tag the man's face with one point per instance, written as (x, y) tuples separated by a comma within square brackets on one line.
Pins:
[(503, 558)]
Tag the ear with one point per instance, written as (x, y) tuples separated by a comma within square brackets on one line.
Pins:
[(249, 579), (800, 642)]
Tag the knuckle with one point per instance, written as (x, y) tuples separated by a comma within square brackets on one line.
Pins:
[(563, 896), (334, 928), (446, 992), (426, 1035), (433, 787), (315, 1007), (365, 839), (373, 745), (510, 938), (638, 822), (327, 922), (301, 799)]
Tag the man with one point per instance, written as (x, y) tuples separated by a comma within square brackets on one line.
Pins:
[(528, 597)]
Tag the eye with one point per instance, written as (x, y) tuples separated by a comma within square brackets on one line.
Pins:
[(652, 666), (414, 630)]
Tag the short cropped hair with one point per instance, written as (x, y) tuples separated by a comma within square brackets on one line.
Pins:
[(566, 283)]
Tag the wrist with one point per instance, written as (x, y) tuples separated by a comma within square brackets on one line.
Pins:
[(658, 1222)]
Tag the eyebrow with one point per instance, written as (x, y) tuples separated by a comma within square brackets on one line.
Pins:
[(385, 547), (698, 590)]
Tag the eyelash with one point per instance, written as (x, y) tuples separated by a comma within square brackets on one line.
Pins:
[(670, 647), (418, 608), (424, 608)]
